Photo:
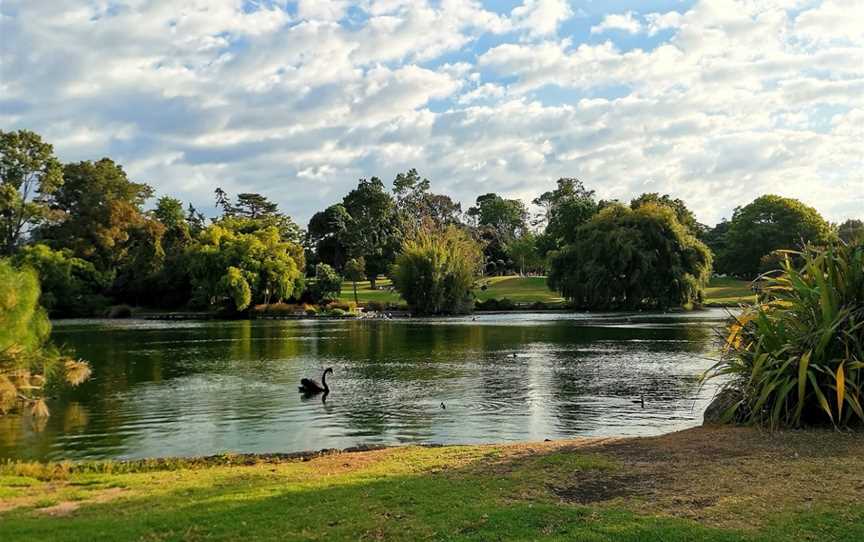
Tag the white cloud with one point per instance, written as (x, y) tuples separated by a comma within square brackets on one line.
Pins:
[(740, 98), (625, 22), (541, 17)]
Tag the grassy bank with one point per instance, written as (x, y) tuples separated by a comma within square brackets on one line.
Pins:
[(702, 484), (720, 292)]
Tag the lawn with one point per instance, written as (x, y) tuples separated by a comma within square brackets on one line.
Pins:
[(725, 292), (720, 291), (703, 484)]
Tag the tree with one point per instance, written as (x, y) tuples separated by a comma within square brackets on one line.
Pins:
[(374, 232), (70, 286), (435, 271), (523, 251), (254, 206), (29, 175), (98, 206), (684, 215), (327, 236), (327, 285), (631, 259), (355, 271), (30, 367), (851, 231), (268, 265), (418, 206), (767, 224), (498, 222)]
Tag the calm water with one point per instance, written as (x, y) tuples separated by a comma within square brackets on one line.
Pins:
[(198, 388)]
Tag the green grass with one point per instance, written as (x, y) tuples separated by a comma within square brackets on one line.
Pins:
[(728, 292), (720, 292), (460, 493)]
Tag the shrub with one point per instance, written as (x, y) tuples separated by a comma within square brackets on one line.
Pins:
[(436, 270), (503, 304), (327, 284), (797, 356)]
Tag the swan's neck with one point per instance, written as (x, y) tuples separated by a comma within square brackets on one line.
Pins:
[(324, 381)]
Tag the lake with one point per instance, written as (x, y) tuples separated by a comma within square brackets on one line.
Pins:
[(200, 388)]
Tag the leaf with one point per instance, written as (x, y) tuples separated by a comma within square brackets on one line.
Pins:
[(803, 364), (841, 389)]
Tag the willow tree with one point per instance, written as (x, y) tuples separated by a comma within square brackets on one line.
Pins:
[(436, 269), (627, 258), (30, 367)]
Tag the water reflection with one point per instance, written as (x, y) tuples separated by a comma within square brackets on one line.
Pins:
[(201, 388)]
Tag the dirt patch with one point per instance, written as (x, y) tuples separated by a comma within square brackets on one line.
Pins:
[(596, 487), (66, 508)]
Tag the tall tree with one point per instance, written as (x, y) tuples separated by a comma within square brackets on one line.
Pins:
[(355, 271), (767, 224), (418, 206), (565, 209), (685, 216), (374, 232), (632, 258), (498, 221), (327, 236), (99, 207), (29, 175)]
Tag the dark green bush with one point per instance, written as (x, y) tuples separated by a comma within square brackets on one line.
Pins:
[(797, 356)]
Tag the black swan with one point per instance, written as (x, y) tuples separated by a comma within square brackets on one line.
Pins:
[(309, 386)]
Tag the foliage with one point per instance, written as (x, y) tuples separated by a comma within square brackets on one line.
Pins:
[(565, 209), (224, 263), (851, 231), (29, 175), (418, 207), (327, 284), (30, 366), (327, 236), (375, 227), (797, 356), (632, 258), (435, 271), (684, 215), (70, 286), (355, 271), (524, 253), (769, 223)]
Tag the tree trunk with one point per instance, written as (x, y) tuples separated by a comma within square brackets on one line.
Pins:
[(356, 302), (372, 280)]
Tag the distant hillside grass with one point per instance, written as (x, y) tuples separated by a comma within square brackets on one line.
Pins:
[(720, 292)]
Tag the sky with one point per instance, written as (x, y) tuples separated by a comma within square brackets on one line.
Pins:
[(712, 101)]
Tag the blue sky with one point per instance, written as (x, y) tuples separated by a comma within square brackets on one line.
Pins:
[(715, 101)]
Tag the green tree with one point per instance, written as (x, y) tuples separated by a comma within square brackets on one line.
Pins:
[(269, 266), (684, 215), (327, 285), (99, 206), (374, 232), (523, 251), (30, 366), (851, 231), (435, 271), (631, 259), (498, 222), (566, 208), (418, 206), (327, 236), (355, 271), (29, 175), (71, 287), (767, 224)]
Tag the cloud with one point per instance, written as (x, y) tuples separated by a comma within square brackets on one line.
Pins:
[(625, 22), (716, 104)]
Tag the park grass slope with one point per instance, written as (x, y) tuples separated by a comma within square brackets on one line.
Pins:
[(701, 484)]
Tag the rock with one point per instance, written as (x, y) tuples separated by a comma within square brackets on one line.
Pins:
[(721, 403)]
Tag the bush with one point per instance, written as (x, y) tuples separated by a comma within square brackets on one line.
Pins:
[(797, 356), (327, 284), (503, 304), (119, 311), (436, 270)]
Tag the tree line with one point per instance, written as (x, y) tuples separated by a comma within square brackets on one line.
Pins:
[(84, 228)]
